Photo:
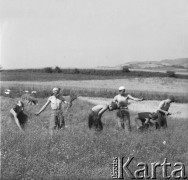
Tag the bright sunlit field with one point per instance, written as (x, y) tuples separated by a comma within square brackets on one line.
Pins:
[(77, 152)]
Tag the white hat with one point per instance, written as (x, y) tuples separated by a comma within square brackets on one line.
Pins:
[(33, 92), (121, 88), (55, 89)]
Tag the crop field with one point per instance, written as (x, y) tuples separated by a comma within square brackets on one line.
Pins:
[(83, 74), (144, 84), (148, 88), (79, 153), (76, 152)]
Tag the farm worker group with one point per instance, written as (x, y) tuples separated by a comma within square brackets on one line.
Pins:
[(119, 103)]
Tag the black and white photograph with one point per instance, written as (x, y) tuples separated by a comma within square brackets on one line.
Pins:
[(93, 89)]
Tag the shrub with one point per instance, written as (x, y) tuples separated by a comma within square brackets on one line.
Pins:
[(171, 73), (125, 69), (57, 70), (76, 71), (48, 70)]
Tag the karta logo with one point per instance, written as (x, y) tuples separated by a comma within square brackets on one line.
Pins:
[(122, 170)]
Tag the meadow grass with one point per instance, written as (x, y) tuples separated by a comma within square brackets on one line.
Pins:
[(132, 84), (79, 153), (39, 76), (45, 89), (80, 74)]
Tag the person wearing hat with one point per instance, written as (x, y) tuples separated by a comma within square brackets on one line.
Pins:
[(16, 111), (162, 112), (57, 118), (96, 113), (123, 113)]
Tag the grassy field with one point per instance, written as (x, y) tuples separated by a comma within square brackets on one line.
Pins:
[(82, 74), (78, 153), (148, 88), (39, 76), (142, 84)]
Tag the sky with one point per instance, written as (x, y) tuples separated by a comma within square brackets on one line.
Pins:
[(91, 33)]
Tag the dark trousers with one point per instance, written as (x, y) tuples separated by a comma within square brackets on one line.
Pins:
[(124, 119), (95, 121), (161, 120)]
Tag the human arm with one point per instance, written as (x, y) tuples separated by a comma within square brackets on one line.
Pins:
[(43, 108), (100, 113), (15, 118), (115, 100), (161, 108), (147, 120), (133, 98)]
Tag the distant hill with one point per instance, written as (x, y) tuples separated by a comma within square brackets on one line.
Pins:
[(180, 63)]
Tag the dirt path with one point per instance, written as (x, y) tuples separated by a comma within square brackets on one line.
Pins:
[(178, 110)]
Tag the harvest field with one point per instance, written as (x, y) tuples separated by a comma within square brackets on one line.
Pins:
[(142, 84), (148, 88), (77, 152)]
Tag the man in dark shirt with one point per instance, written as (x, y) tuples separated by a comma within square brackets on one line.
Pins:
[(144, 119)]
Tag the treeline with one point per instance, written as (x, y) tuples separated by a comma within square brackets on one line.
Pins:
[(125, 71)]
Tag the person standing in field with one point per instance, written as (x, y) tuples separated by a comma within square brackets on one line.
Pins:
[(96, 113), (57, 118), (123, 113), (162, 112), (17, 112)]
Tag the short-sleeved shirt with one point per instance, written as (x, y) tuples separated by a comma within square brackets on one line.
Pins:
[(164, 105), (17, 108), (56, 102)]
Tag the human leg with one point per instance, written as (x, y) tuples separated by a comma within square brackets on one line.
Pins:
[(127, 120), (120, 119), (53, 122), (138, 122), (91, 120), (61, 120), (99, 124), (161, 120)]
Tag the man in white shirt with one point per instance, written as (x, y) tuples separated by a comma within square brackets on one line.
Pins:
[(57, 118), (162, 112), (123, 113)]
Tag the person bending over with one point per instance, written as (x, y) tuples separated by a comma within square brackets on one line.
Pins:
[(94, 119), (16, 112)]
